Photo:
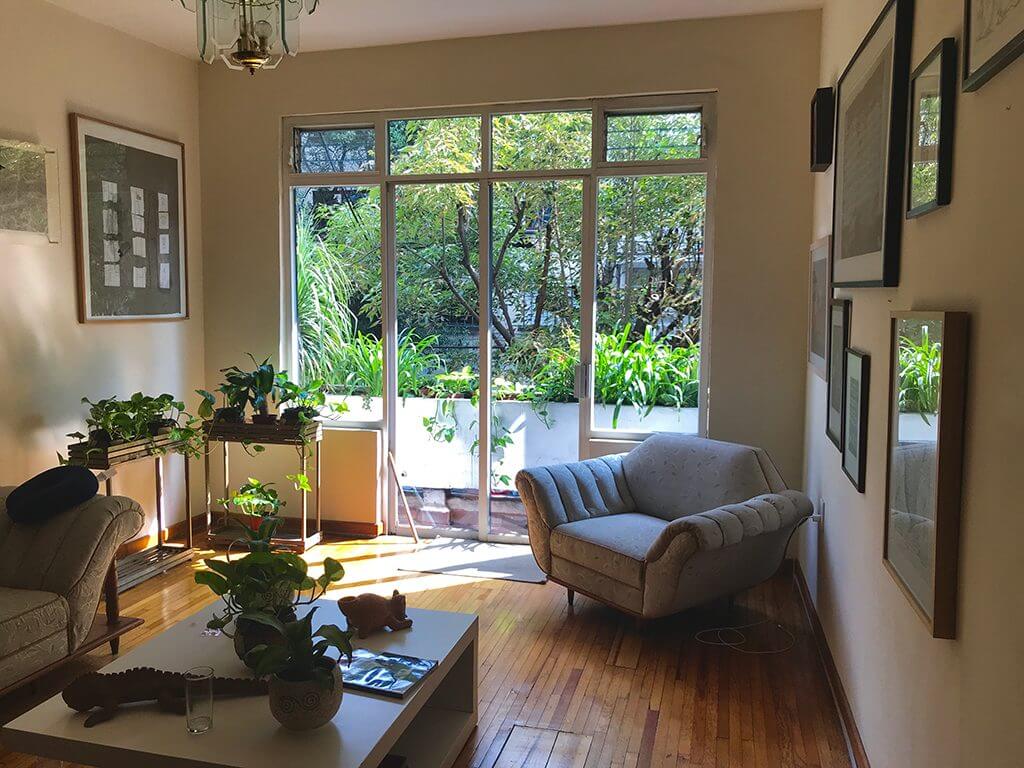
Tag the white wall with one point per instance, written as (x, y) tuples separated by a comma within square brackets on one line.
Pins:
[(55, 63), (920, 701)]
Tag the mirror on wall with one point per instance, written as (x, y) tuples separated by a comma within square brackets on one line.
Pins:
[(927, 383)]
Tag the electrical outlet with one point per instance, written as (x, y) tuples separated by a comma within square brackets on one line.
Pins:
[(819, 515)]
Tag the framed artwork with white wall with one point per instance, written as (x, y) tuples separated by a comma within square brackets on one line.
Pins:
[(838, 341), (820, 293), (932, 99), (870, 153), (927, 385), (29, 192), (993, 37), (129, 200), (855, 397)]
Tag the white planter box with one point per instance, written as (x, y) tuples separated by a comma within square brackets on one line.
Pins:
[(915, 428)]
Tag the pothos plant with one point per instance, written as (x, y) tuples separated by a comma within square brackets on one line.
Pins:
[(303, 654), (305, 402)]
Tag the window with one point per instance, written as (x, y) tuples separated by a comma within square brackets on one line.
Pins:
[(634, 137), (334, 150), (525, 141), (494, 307)]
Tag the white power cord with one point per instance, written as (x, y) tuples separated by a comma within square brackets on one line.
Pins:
[(716, 637)]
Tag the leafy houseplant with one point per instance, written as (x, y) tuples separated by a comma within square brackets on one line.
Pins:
[(232, 411), (920, 365), (305, 402), (259, 386), (255, 500), (301, 670)]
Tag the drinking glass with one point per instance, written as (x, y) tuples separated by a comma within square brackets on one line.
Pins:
[(199, 699)]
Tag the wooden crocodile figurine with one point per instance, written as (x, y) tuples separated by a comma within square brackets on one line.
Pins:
[(106, 692)]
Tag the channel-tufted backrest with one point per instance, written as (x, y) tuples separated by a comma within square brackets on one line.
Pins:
[(672, 476), (68, 554), (582, 489)]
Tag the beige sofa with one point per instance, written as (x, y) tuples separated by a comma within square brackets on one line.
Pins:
[(677, 522), (51, 579)]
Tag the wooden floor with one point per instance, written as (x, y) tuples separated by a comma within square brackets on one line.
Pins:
[(579, 689)]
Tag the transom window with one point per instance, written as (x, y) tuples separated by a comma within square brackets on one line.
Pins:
[(513, 283)]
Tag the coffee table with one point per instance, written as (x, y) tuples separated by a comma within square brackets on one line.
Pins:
[(429, 726)]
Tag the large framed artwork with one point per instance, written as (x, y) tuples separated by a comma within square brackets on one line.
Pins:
[(993, 37), (130, 235), (870, 162), (932, 98), (855, 395), (838, 341), (29, 191), (817, 322), (927, 385)]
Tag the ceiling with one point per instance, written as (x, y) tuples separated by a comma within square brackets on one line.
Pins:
[(360, 23)]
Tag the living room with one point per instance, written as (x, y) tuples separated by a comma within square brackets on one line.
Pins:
[(651, 352)]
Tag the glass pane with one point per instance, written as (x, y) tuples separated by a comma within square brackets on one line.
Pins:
[(926, 101), (435, 145), (338, 295), (650, 266), (536, 256), (653, 136), (334, 150), (437, 271), (912, 471), (540, 140)]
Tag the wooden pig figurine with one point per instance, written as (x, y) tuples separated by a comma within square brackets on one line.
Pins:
[(368, 613)]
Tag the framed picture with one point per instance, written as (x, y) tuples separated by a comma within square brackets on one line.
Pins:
[(932, 96), (855, 440), (29, 192), (993, 37), (927, 382), (871, 138), (130, 235), (821, 292), (823, 124), (838, 341)]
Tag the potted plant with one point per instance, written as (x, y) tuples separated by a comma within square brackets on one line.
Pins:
[(234, 398), (255, 501), (301, 671), (161, 413), (262, 589), (259, 386), (305, 402)]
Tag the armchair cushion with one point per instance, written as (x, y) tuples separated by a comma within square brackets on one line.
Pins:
[(614, 545), (28, 616), (671, 476)]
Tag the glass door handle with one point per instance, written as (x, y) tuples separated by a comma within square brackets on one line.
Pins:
[(581, 382)]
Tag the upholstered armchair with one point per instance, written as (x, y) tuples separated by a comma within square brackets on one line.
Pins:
[(51, 578), (676, 522)]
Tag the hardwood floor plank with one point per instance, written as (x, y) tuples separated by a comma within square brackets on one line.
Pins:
[(570, 751), (527, 748)]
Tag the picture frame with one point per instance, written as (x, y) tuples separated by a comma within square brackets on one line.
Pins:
[(820, 289), (856, 388), (838, 340), (29, 193), (924, 472), (823, 122), (932, 123), (870, 153), (130, 223), (993, 38)]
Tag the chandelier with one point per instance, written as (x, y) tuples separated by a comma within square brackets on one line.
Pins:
[(248, 34)]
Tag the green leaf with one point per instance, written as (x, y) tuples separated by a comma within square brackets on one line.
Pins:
[(217, 583), (266, 619)]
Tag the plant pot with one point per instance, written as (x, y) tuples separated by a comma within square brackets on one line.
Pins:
[(99, 437), (161, 426), (264, 418), (229, 414), (249, 634), (301, 705), (294, 415)]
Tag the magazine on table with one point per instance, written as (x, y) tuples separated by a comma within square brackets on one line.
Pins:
[(388, 674)]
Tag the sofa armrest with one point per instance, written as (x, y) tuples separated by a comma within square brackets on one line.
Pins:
[(732, 523), (69, 554)]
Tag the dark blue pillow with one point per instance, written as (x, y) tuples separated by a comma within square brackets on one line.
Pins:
[(50, 493)]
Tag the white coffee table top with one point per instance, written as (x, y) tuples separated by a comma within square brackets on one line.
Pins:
[(244, 732)]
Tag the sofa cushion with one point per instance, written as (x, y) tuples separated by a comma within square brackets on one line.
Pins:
[(28, 616), (614, 545), (51, 492), (672, 476)]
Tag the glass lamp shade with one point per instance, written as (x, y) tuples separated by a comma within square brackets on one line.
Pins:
[(248, 34)]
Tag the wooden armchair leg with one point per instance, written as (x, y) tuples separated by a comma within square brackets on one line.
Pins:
[(571, 594), (111, 600)]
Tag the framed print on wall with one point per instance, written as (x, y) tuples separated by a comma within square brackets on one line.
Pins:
[(993, 37), (927, 384), (870, 159), (932, 96), (29, 191), (130, 236), (821, 292), (838, 341), (855, 397)]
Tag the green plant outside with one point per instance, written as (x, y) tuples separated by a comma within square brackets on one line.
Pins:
[(920, 370)]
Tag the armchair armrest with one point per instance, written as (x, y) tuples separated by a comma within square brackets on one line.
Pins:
[(731, 523), (69, 554)]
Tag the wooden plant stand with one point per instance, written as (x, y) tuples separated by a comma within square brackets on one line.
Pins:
[(299, 435), (140, 566)]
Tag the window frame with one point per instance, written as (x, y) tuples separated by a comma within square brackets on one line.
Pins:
[(705, 102)]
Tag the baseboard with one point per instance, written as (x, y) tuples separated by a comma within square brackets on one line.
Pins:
[(352, 530), (175, 532), (857, 752)]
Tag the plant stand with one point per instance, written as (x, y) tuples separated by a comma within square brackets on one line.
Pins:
[(143, 565), (299, 435)]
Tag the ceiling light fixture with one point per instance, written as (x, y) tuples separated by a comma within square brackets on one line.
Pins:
[(248, 34)]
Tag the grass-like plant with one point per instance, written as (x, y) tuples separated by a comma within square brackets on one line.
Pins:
[(920, 364)]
